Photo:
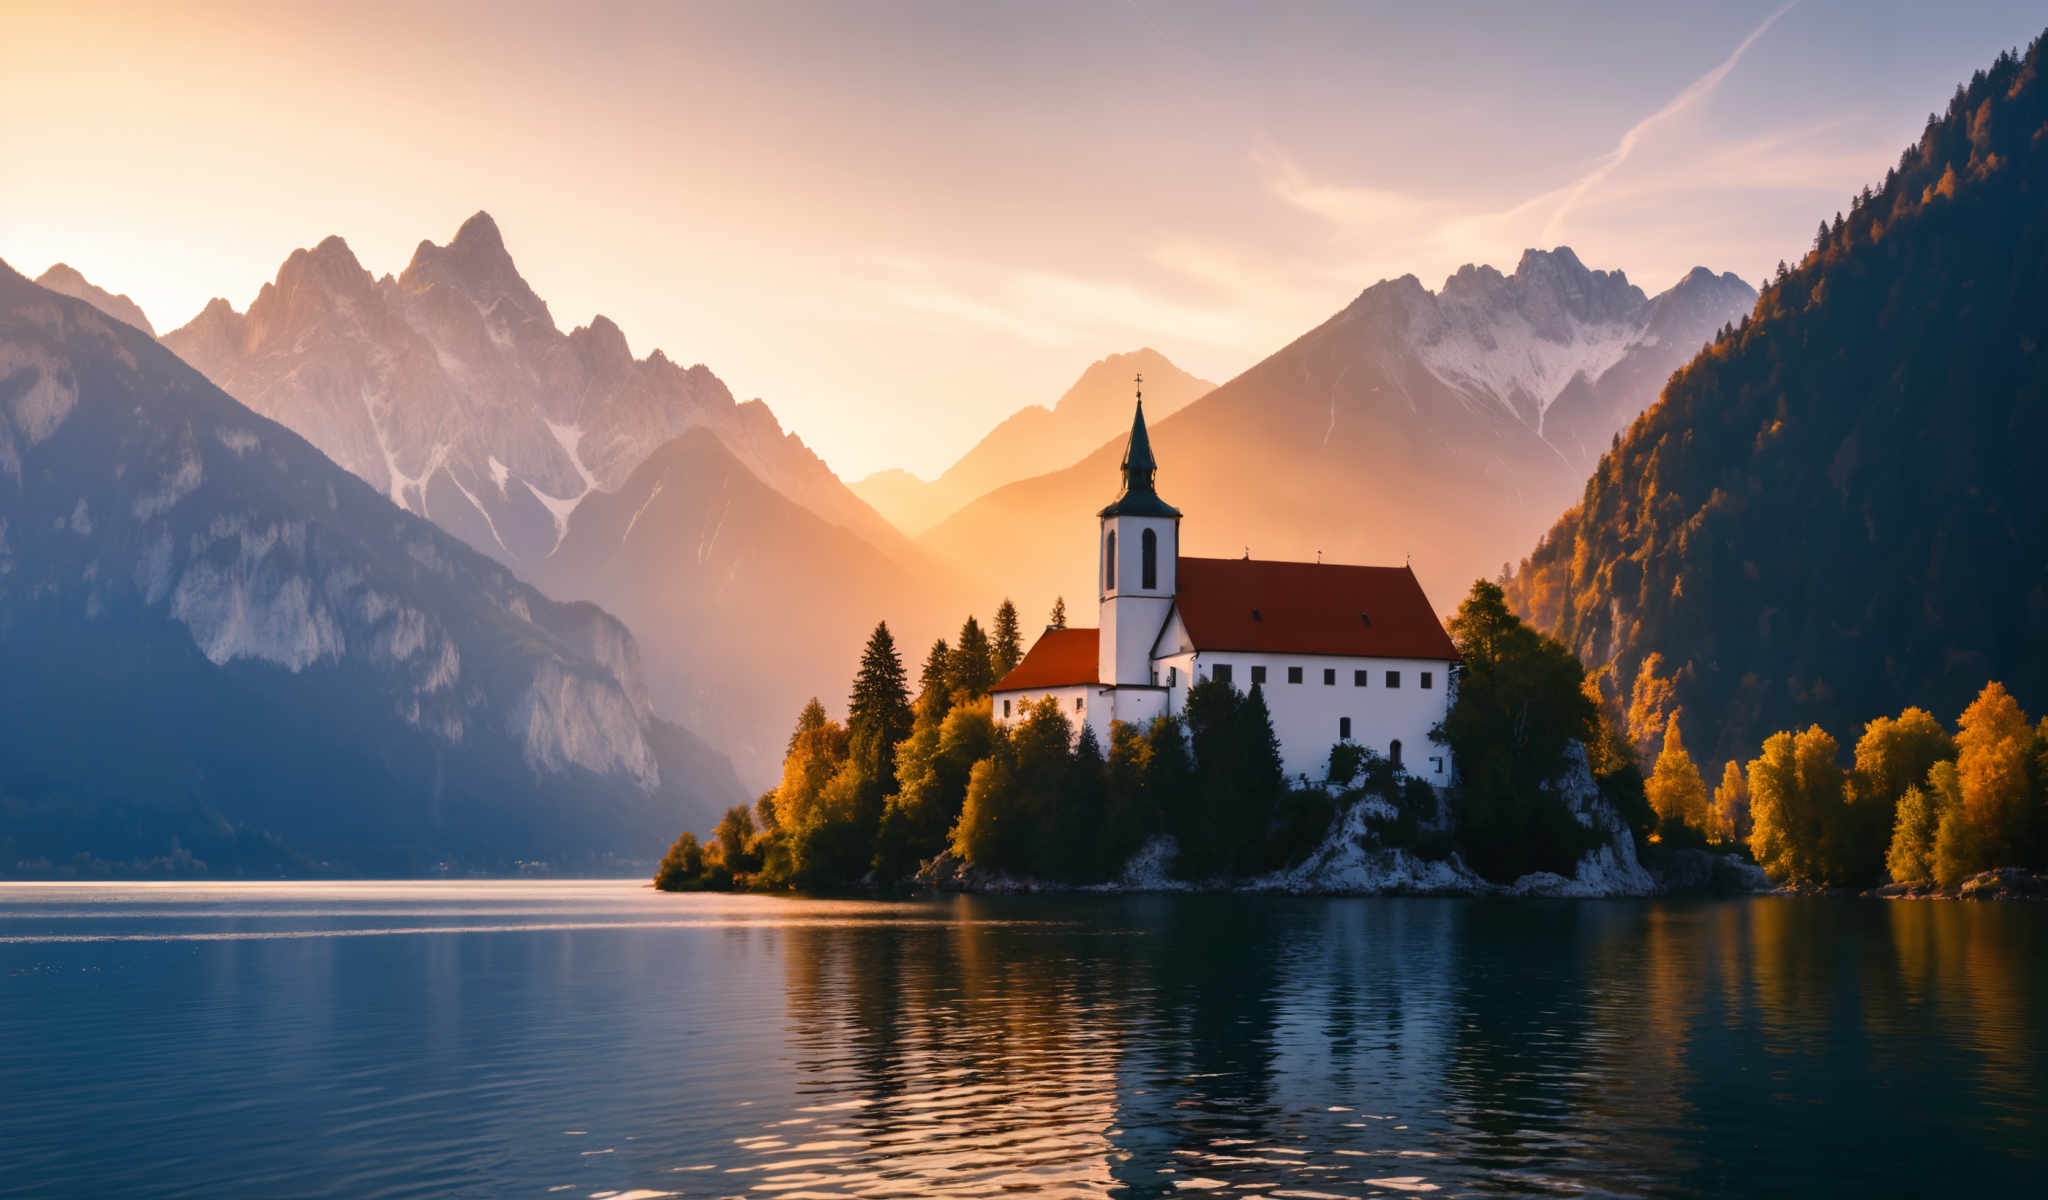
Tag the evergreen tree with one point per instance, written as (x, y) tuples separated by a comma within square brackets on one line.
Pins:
[(1129, 815), (878, 713), (932, 677), (1058, 620), (1077, 848), (970, 666), (1522, 704), (808, 722), (1006, 641)]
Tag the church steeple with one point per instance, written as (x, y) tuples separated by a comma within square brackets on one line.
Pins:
[(1137, 498)]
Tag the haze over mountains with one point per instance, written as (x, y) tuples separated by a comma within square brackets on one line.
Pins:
[(221, 646), (450, 388), (1443, 428), (1035, 439)]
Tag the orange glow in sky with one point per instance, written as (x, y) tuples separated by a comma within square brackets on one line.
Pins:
[(897, 224)]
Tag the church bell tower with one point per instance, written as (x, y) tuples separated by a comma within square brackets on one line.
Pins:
[(1136, 555)]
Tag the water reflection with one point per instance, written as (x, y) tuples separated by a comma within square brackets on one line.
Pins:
[(1142, 1047), (595, 1039)]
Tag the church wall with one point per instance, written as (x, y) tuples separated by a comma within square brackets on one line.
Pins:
[(1306, 715)]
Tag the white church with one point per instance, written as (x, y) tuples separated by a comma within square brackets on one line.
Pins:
[(1341, 653)]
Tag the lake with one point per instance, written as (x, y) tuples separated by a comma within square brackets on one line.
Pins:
[(594, 1039)]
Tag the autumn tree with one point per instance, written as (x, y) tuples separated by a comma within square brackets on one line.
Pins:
[(1795, 793), (1994, 749), (1677, 793), (1006, 641), (1893, 755), (932, 768), (1915, 819), (682, 867), (1731, 805)]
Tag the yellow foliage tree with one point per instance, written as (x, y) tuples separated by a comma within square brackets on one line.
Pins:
[(1731, 805), (1795, 792), (1675, 788), (1994, 740), (1893, 755)]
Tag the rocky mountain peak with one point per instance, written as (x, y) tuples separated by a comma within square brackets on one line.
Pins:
[(65, 280), (476, 264)]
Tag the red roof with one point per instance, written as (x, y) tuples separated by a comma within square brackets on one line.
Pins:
[(1308, 608), (1059, 658)]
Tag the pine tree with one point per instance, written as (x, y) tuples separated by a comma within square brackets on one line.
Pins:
[(932, 678), (809, 721), (878, 709), (1006, 642), (969, 667), (1058, 620)]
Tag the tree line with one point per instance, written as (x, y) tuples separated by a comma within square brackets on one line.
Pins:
[(917, 772), (1914, 805)]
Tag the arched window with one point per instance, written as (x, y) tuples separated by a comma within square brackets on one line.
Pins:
[(1109, 562), (1394, 752), (1148, 560)]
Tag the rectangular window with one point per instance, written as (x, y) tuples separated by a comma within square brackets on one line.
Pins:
[(1078, 702), (1220, 672), (1436, 763), (1258, 674), (1426, 680), (1344, 729), (1006, 710), (1172, 676), (1393, 679), (1294, 674), (1358, 678), (1329, 677)]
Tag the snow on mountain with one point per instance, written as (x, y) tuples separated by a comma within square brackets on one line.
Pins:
[(1439, 428), (450, 388)]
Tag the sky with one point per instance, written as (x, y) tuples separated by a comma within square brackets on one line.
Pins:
[(898, 223)]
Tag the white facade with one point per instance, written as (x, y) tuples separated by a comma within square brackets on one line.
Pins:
[(1146, 660), (1135, 570)]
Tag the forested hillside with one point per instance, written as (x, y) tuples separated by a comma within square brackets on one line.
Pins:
[(1835, 511)]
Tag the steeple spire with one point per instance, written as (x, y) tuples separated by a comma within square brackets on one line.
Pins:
[(1137, 498)]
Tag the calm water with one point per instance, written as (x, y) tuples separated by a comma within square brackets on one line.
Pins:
[(592, 1039)]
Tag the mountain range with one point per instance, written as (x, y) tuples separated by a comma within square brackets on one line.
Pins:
[(225, 650), (1442, 428), (1835, 510), (1036, 439), (450, 389)]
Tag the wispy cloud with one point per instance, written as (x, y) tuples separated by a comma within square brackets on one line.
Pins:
[(1695, 92)]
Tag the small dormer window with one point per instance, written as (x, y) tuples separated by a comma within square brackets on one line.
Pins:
[(1257, 615), (1366, 619)]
